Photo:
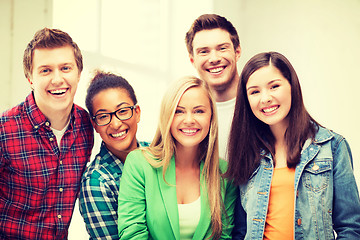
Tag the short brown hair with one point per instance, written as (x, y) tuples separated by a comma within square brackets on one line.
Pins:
[(208, 22), (49, 38)]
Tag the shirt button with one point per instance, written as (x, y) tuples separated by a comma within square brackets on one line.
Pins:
[(315, 167), (47, 124), (36, 127), (51, 139), (59, 216), (61, 189), (60, 162), (299, 221)]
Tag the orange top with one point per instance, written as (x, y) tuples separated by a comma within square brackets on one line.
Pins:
[(279, 223)]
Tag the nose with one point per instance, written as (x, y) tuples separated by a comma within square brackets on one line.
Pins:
[(189, 118), (214, 57), (266, 97), (115, 122), (57, 77)]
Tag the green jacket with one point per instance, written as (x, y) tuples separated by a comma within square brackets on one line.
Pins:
[(148, 205)]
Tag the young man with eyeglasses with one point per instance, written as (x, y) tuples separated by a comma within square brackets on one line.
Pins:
[(45, 143), (115, 114), (214, 49)]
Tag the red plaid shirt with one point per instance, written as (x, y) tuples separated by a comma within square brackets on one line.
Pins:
[(39, 182)]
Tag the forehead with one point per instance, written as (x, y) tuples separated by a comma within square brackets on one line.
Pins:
[(212, 37), (265, 75), (49, 56), (195, 96), (112, 97)]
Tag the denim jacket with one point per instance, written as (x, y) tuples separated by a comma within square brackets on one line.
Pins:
[(326, 195)]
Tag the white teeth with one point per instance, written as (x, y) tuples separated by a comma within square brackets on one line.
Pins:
[(58, 91), (120, 134), (216, 70), (266, 110), (189, 130)]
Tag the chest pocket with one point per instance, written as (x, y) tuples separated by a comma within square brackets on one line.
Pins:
[(317, 174)]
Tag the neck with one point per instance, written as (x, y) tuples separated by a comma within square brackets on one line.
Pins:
[(187, 157), (227, 92), (58, 120), (123, 153)]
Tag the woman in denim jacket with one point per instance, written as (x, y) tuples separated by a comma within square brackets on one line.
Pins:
[(295, 176)]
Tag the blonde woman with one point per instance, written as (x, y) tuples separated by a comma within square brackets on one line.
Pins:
[(174, 188)]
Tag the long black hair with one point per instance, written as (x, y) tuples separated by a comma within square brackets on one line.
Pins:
[(249, 136)]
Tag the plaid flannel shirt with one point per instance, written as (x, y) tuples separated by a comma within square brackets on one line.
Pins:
[(99, 194), (39, 182)]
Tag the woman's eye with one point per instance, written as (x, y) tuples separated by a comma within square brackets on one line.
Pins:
[(275, 86), (178, 111), (199, 111), (102, 117)]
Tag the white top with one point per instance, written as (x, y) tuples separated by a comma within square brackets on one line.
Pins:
[(189, 216), (225, 111), (59, 133)]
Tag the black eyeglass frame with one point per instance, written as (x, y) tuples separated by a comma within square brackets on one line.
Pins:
[(114, 113)]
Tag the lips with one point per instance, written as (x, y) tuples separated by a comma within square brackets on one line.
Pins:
[(119, 134), (58, 92), (271, 109), (216, 70), (189, 131)]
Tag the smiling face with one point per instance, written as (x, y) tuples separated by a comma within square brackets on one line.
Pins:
[(192, 118), (269, 95), (215, 58), (118, 136), (54, 79)]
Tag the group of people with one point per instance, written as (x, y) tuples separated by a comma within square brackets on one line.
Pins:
[(233, 157)]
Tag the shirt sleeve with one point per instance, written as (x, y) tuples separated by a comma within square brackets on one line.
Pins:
[(346, 213), (98, 206), (132, 204)]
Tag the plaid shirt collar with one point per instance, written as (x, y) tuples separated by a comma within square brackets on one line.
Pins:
[(37, 118)]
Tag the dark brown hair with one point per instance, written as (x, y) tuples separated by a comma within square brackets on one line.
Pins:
[(208, 22), (249, 136), (49, 38), (103, 81)]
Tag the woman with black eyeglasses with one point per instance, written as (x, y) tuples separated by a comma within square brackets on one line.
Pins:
[(111, 102)]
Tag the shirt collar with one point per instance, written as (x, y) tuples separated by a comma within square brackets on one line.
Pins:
[(37, 118)]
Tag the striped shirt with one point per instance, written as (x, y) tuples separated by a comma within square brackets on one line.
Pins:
[(39, 182), (99, 194)]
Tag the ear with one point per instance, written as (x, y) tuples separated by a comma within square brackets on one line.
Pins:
[(191, 57), (137, 113), (95, 126), (31, 83), (238, 53)]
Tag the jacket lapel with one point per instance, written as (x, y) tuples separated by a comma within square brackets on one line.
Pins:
[(168, 194)]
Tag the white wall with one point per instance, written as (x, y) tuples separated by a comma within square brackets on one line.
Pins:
[(320, 37)]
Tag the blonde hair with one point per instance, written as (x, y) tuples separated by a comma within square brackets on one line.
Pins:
[(163, 146)]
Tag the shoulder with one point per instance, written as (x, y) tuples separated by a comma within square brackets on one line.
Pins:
[(81, 115), (223, 165), (95, 169), (11, 114), (324, 135), (136, 157)]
